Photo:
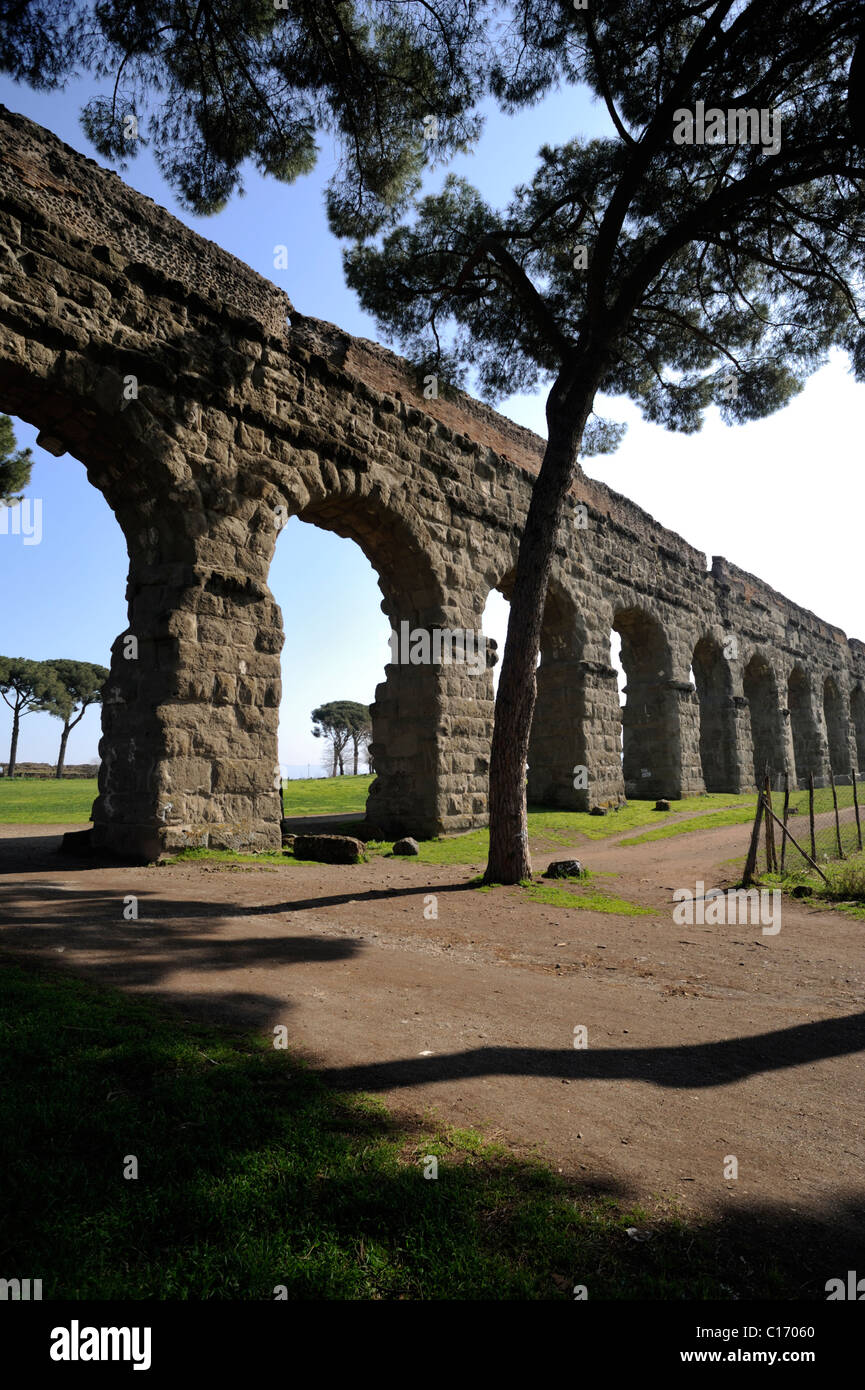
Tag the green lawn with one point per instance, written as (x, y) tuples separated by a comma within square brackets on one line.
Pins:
[(49, 802), (550, 830), (582, 898), (324, 796), (46, 802), (253, 1175), (31, 801)]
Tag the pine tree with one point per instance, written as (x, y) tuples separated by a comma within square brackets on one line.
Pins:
[(27, 687), (679, 273), (80, 686), (15, 464)]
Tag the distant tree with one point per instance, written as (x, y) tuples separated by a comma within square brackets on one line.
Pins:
[(80, 686), (27, 687), (364, 742), (342, 722), (15, 464), (327, 725), (361, 729)]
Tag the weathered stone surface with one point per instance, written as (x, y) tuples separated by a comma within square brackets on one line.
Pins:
[(246, 413), (564, 868), (407, 845), (329, 849), (662, 805)]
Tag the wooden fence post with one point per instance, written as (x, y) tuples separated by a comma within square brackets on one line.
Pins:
[(812, 862), (837, 821), (751, 861), (811, 814), (771, 858)]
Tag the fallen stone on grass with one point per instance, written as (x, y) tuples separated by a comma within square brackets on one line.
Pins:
[(662, 805), (564, 868), (406, 846), (329, 849)]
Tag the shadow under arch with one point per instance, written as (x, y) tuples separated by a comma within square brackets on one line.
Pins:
[(767, 733), (651, 734), (857, 715), (802, 726), (714, 682), (836, 728), (557, 742)]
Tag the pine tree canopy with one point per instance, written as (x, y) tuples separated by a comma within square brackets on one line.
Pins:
[(710, 251), (212, 83)]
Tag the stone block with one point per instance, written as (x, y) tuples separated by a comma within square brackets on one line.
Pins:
[(329, 849)]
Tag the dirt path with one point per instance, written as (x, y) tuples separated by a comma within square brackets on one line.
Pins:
[(703, 1041)]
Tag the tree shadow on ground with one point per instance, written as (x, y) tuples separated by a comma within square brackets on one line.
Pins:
[(253, 1175), (167, 939)]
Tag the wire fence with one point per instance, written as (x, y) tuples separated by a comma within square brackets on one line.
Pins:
[(796, 831)]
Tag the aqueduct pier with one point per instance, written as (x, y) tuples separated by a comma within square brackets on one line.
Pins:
[(206, 410)]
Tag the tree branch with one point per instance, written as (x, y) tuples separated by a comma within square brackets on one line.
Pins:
[(525, 291), (595, 50)]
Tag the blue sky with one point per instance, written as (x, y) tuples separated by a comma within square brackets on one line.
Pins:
[(780, 497)]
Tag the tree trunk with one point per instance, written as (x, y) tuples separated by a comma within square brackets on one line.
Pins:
[(62, 755), (354, 741), (13, 751), (509, 860), (335, 753)]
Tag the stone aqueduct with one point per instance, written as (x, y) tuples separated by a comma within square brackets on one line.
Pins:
[(246, 407)]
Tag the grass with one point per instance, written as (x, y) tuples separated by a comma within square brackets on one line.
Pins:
[(739, 814), (844, 891), (577, 895), (230, 858), (33, 801), (325, 796), (586, 899), (50, 801), (551, 829), (38, 801), (252, 1175)]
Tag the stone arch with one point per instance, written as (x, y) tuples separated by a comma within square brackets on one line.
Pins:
[(837, 731), (714, 685), (803, 729), (558, 735), (651, 738), (77, 404), (767, 733), (857, 716), (429, 719)]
